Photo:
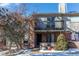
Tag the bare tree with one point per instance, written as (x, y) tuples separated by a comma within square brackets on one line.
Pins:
[(22, 8), (15, 27)]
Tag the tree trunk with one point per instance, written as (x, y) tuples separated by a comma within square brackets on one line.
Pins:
[(10, 47), (21, 44), (17, 45)]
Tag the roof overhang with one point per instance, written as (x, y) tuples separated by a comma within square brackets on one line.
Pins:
[(56, 14)]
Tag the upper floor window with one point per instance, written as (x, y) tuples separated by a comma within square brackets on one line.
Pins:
[(58, 23), (43, 20), (46, 22), (41, 23), (58, 18), (49, 23)]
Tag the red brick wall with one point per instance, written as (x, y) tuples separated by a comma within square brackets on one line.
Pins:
[(31, 34), (66, 34)]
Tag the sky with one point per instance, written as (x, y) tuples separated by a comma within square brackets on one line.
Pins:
[(41, 7)]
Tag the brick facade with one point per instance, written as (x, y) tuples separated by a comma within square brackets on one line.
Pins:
[(31, 33)]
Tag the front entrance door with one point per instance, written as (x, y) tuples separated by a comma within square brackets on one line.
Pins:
[(50, 38), (38, 40)]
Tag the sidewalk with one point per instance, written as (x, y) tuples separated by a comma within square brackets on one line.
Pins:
[(3, 52)]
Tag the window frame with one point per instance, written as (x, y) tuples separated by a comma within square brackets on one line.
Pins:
[(62, 23)]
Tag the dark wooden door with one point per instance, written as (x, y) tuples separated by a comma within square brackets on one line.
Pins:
[(38, 40)]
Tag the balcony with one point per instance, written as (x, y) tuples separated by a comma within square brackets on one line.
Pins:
[(50, 26), (48, 29)]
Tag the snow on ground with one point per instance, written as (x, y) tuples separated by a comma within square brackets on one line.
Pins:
[(22, 52), (3, 52), (28, 52), (69, 52)]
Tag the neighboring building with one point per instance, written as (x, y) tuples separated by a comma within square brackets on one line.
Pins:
[(75, 28), (62, 8)]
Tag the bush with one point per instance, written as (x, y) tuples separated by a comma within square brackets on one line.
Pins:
[(61, 43)]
